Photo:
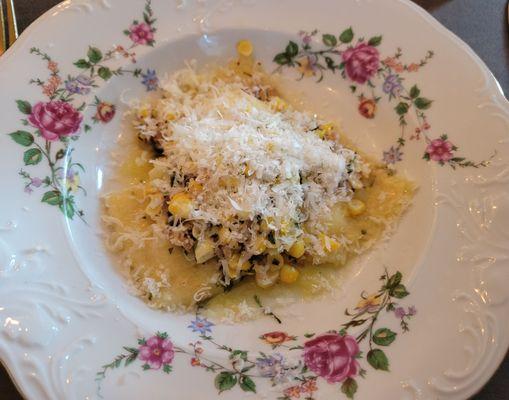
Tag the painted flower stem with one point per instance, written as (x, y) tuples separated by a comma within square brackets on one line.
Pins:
[(59, 117), (359, 62), (333, 356)]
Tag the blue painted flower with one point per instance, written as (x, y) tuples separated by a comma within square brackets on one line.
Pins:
[(150, 80), (392, 85), (201, 325), (72, 86), (79, 85), (84, 80), (274, 367), (392, 156)]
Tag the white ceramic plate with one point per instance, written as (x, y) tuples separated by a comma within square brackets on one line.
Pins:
[(440, 327)]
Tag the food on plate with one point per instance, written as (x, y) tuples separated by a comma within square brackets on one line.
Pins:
[(230, 191)]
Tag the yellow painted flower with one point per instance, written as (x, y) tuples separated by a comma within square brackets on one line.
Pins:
[(72, 181), (307, 65), (369, 303)]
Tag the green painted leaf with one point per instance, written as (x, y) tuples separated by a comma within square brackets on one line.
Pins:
[(399, 291), (225, 381), (247, 384), (131, 350), (132, 357), (292, 49), (24, 106), (422, 103), (349, 387), (329, 40), (53, 197), (378, 360), (238, 353), (162, 335), (32, 157), (346, 36), (82, 63), (375, 41), (384, 336), (401, 108), (167, 368), (105, 73), (22, 137), (94, 55), (394, 280), (415, 92), (330, 63), (60, 154), (67, 207)]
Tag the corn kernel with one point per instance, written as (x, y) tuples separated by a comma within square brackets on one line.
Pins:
[(180, 205), (170, 117), (288, 274), (259, 245), (286, 227), (298, 249), (204, 251), (325, 131), (356, 207), (154, 113), (330, 244), (143, 113), (245, 48)]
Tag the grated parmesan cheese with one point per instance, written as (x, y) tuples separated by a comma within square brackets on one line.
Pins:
[(238, 185), (259, 169)]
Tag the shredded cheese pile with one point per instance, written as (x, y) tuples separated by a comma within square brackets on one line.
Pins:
[(247, 179)]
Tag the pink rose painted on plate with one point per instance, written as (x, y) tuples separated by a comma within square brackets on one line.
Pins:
[(141, 33), (332, 356), (157, 352), (55, 119), (361, 62), (52, 125), (373, 76), (440, 150)]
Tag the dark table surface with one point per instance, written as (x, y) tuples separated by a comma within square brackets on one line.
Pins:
[(480, 23)]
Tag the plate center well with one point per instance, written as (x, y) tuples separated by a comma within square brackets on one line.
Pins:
[(332, 99)]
